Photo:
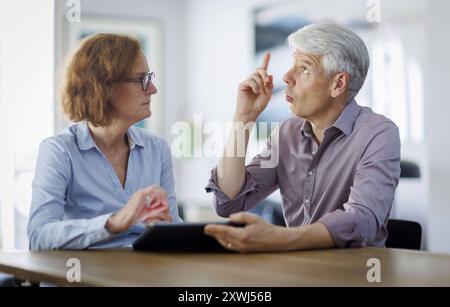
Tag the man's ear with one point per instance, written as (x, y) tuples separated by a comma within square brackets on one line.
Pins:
[(340, 84)]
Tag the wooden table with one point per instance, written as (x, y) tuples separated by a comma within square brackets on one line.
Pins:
[(308, 268)]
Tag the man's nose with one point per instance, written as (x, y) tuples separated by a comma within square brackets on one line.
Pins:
[(287, 78)]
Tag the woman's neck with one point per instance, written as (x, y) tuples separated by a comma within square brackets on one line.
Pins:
[(110, 138)]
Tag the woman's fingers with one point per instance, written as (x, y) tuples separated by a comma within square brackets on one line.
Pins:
[(154, 195), (157, 192), (154, 204), (157, 207), (162, 216), (154, 190), (166, 216)]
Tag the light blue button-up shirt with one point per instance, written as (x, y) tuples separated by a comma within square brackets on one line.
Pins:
[(75, 189)]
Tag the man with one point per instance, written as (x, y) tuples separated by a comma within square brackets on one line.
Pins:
[(338, 163)]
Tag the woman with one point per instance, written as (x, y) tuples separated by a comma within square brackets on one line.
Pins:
[(98, 182)]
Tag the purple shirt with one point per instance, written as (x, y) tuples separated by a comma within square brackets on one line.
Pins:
[(347, 183)]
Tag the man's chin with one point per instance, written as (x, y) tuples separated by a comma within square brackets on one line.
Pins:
[(291, 109), (294, 111)]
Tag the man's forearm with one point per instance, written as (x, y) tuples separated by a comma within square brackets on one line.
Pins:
[(314, 236), (231, 168)]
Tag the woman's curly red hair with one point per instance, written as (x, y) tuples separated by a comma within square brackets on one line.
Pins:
[(99, 62)]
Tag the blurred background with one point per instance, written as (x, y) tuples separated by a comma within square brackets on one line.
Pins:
[(201, 50)]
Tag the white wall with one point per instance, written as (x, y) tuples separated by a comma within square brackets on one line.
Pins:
[(412, 194), (27, 108), (437, 80)]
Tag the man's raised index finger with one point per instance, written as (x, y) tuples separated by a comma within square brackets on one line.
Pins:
[(266, 61)]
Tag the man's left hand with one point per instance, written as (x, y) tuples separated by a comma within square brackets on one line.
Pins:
[(257, 235)]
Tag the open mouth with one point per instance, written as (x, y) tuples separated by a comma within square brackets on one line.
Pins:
[(289, 99)]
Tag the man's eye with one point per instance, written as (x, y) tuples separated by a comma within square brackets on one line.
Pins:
[(303, 70)]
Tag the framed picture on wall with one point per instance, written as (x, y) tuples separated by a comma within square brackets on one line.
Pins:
[(148, 32)]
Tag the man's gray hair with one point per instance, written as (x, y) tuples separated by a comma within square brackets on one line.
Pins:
[(341, 50)]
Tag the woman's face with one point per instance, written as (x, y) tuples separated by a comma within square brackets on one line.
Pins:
[(129, 102)]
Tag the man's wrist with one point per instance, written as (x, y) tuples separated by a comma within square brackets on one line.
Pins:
[(289, 238), (245, 119)]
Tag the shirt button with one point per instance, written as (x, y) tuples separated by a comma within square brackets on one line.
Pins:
[(310, 173), (307, 201)]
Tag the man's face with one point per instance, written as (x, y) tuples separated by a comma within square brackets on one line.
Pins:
[(308, 88)]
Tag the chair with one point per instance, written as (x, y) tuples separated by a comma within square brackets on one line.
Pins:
[(181, 211), (9, 281), (409, 169), (404, 234)]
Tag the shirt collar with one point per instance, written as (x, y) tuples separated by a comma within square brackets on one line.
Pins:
[(345, 121), (84, 138), (306, 129), (135, 137), (85, 141)]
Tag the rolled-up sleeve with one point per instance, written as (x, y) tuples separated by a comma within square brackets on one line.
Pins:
[(371, 194), (260, 181), (46, 228)]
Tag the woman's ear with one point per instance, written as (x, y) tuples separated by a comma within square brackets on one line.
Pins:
[(340, 84), (113, 88)]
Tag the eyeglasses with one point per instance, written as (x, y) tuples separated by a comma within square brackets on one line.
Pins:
[(145, 80)]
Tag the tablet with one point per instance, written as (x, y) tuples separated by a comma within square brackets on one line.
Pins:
[(178, 237)]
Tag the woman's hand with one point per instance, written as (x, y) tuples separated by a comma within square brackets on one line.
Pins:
[(147, 205)]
